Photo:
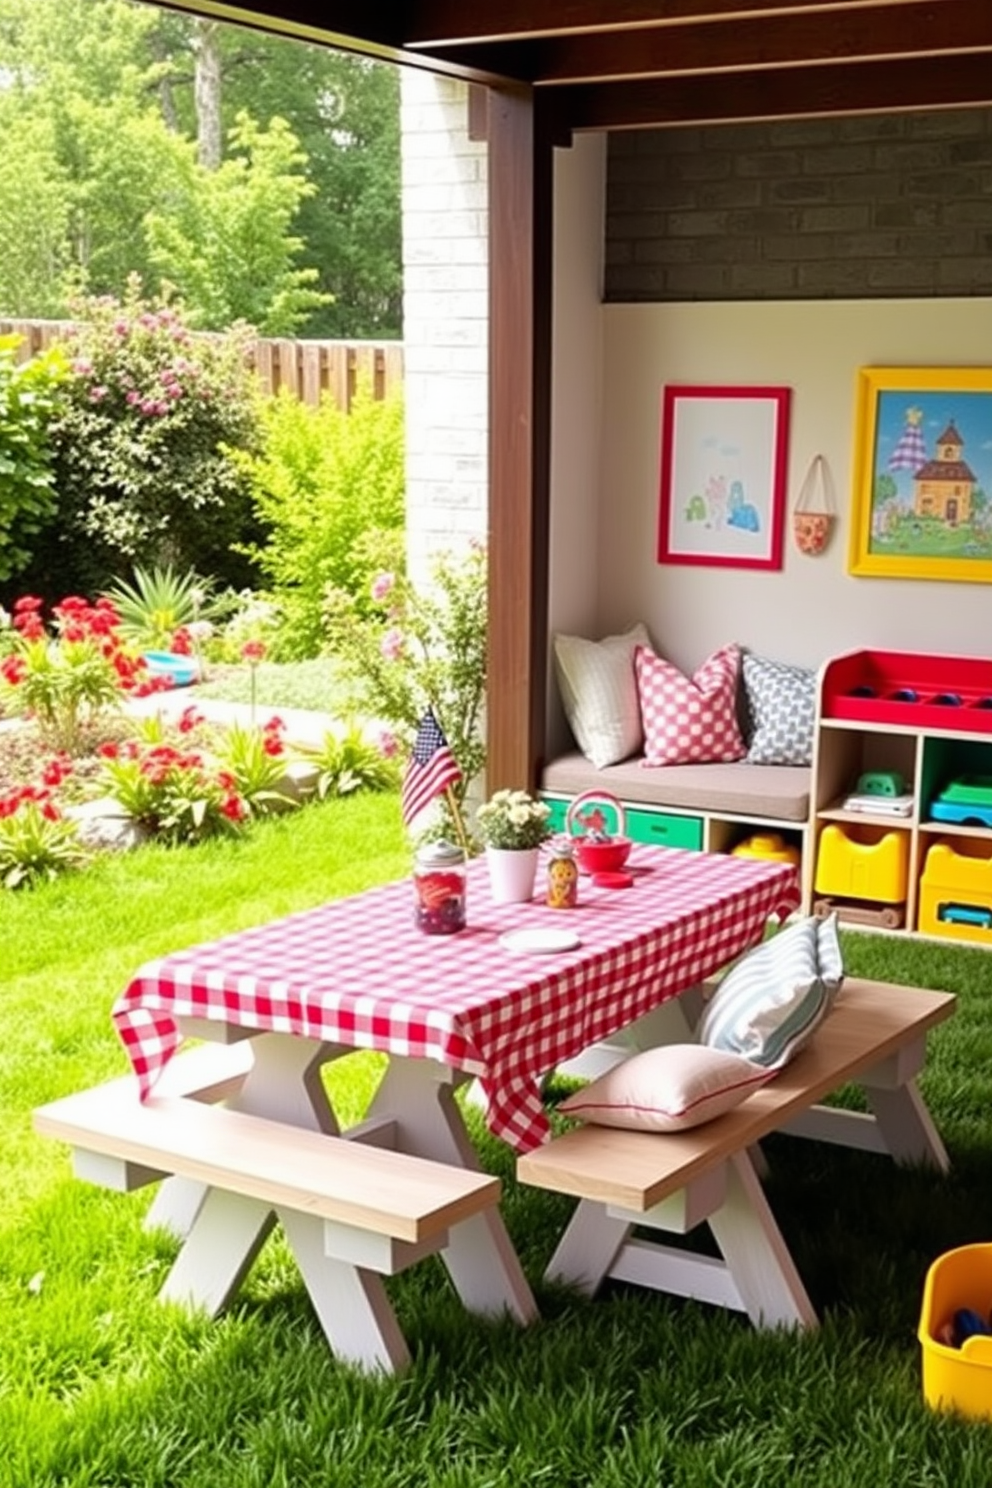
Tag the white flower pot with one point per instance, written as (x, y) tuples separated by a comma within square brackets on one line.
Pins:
[(512, 873)]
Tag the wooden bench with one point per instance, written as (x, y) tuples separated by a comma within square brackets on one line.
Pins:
[(874, 1036), (352, 1212)]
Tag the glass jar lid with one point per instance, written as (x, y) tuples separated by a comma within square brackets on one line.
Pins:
[(439, 854)]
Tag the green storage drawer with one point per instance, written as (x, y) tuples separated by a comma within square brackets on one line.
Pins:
[(643, 825), (664, 830)]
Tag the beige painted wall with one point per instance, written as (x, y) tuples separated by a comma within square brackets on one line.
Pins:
[(611, 363), (812, 608)]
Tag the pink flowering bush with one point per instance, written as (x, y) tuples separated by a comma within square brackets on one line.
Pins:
[(142, 435), (405, 649)]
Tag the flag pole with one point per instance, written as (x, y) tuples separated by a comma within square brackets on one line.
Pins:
[(456, 817)]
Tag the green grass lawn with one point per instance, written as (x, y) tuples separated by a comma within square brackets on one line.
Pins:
[(100, 1385)]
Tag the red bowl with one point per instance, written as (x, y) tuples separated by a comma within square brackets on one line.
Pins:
[(602, 857)]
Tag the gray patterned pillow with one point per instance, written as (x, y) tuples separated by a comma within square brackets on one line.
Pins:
[(781, 705)]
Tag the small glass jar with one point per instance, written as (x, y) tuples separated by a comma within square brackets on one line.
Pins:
[(439, 888), (563, 877)]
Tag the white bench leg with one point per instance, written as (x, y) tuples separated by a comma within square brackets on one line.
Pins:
[(907, 1126), (480, 1257), (587, 1250), (351, 1302), (757, 1255), (228, 1232)]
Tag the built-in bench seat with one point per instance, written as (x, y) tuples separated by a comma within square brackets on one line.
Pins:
[(874, 1036), (349, 1209), (768, 792)]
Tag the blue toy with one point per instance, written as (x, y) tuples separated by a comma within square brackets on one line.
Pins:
[(741, 513)]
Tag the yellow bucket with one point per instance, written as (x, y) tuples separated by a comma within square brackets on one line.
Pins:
[(957, 1379)]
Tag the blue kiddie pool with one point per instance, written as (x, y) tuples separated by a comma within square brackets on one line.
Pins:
[(178, 670)]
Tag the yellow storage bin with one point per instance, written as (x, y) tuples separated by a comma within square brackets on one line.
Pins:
[(771, 845), (859, 863), (957, 1379), (956, 890)]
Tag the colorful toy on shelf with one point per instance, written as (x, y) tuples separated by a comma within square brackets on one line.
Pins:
[(966, 800), (938, 692), (863, 874), (771, 845), (880, 783), (956, 890)]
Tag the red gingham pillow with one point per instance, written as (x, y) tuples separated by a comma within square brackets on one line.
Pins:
[(689, 722)]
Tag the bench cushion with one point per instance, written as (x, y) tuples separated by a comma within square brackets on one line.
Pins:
[(778, 792), (672, 1088)]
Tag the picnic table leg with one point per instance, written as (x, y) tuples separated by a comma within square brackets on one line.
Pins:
[(480, 1257), (907, 1126)]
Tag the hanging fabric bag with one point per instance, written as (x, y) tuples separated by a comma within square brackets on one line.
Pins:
[(815, 511)]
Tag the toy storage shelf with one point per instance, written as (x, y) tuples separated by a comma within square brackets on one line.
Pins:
[(667, 826), (928, 721)]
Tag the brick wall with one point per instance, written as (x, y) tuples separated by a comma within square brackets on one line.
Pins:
[(445, 318), (863, 208)]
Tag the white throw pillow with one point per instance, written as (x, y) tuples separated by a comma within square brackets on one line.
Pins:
[(599, 694), (668, 1089), (772, 1001)]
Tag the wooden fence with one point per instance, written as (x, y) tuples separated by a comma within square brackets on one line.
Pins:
[(307, 368)]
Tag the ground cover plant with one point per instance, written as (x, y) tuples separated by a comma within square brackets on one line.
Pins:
[(99, 1385)]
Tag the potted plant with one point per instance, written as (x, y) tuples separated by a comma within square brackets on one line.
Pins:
[(512, 824)]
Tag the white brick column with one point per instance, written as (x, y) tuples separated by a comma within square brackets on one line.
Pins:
[(445, 318)]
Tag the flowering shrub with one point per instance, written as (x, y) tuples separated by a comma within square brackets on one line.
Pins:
[(420, 649), (65, 680), (512, 818), (174, 793), (36, 841), (144, 424)]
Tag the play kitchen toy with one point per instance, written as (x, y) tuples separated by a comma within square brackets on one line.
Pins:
[(598, 850)]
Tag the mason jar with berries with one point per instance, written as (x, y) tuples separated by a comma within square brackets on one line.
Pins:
[(439, 888)]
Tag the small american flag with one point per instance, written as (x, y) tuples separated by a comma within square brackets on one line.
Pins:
[(431, 770)]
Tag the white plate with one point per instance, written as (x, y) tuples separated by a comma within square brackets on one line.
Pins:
[(539, 940)]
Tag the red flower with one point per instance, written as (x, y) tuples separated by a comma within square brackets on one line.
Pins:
[(233, 808), (253, 651), (272, 745), (109, 751), (13, 669), (189, 719), (26, 602), (182, 643)]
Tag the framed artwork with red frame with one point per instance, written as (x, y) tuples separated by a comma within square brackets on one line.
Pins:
[(724, 462)]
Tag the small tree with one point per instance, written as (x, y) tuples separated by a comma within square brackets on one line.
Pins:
[(404, 650), (327, 488)]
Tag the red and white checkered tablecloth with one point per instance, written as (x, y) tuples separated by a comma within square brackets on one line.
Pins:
[(358, 972)]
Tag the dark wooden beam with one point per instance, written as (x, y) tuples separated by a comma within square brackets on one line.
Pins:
[(866, 87), (520, 197), (868, 33), (444, 23)]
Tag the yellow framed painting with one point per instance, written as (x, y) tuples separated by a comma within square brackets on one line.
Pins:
[(922, 484)]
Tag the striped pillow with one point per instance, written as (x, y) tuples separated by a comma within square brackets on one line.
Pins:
[(770, 1004)]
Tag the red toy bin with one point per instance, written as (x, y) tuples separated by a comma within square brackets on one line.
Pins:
[(920, 692)]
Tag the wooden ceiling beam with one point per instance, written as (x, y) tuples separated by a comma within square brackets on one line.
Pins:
[(867, 87), (452, 23), (864, 34)]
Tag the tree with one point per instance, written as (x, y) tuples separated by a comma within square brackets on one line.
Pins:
[(226, 244)]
